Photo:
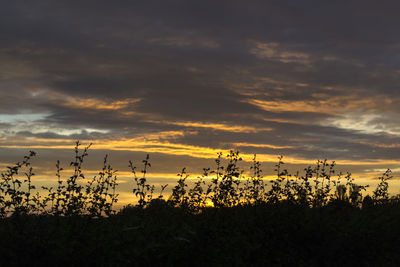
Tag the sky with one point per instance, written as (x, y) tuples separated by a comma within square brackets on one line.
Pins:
[(183, 80)]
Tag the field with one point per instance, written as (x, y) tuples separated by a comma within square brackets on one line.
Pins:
[(318, 218)]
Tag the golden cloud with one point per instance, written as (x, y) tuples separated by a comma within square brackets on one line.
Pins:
[(218, 126)]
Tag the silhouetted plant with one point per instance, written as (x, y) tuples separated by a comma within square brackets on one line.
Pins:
[(74, 195), (380, 194), (58, 197), (287, 221), (228, 187), (323, 173), (13, 198), (276, 193), (143, 190), (161, 196), (349, 192), (254, 189), (225, 191), (197, 196), (179, 196), (100, 199), (73, 198)]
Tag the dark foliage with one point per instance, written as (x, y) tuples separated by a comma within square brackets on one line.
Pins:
[(318, 218)]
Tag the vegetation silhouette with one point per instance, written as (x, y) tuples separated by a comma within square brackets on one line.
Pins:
[(226, 217)]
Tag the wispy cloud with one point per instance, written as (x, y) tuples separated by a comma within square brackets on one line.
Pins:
[(274, 51)]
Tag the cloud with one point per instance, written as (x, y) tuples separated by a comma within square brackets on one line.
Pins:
[(273, 51), (190, 78)]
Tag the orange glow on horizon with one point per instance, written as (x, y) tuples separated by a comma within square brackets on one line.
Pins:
[(155, 144)]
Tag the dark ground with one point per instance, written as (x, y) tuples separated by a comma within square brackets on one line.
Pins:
[(283, 235)]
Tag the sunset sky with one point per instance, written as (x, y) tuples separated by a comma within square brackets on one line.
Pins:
[(183, 80)]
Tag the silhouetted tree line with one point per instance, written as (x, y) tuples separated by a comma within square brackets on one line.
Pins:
[(224, 186)]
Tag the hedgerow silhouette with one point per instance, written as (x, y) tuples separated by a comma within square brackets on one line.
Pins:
[(227, 216), (226, 185)]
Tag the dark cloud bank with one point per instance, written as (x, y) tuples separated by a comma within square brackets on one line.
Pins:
[(323, 78)]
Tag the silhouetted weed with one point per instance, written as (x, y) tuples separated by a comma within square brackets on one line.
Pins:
[(226, 217), (228, 187)]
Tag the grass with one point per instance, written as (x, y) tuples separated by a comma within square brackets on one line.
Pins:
[(318, 218)]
